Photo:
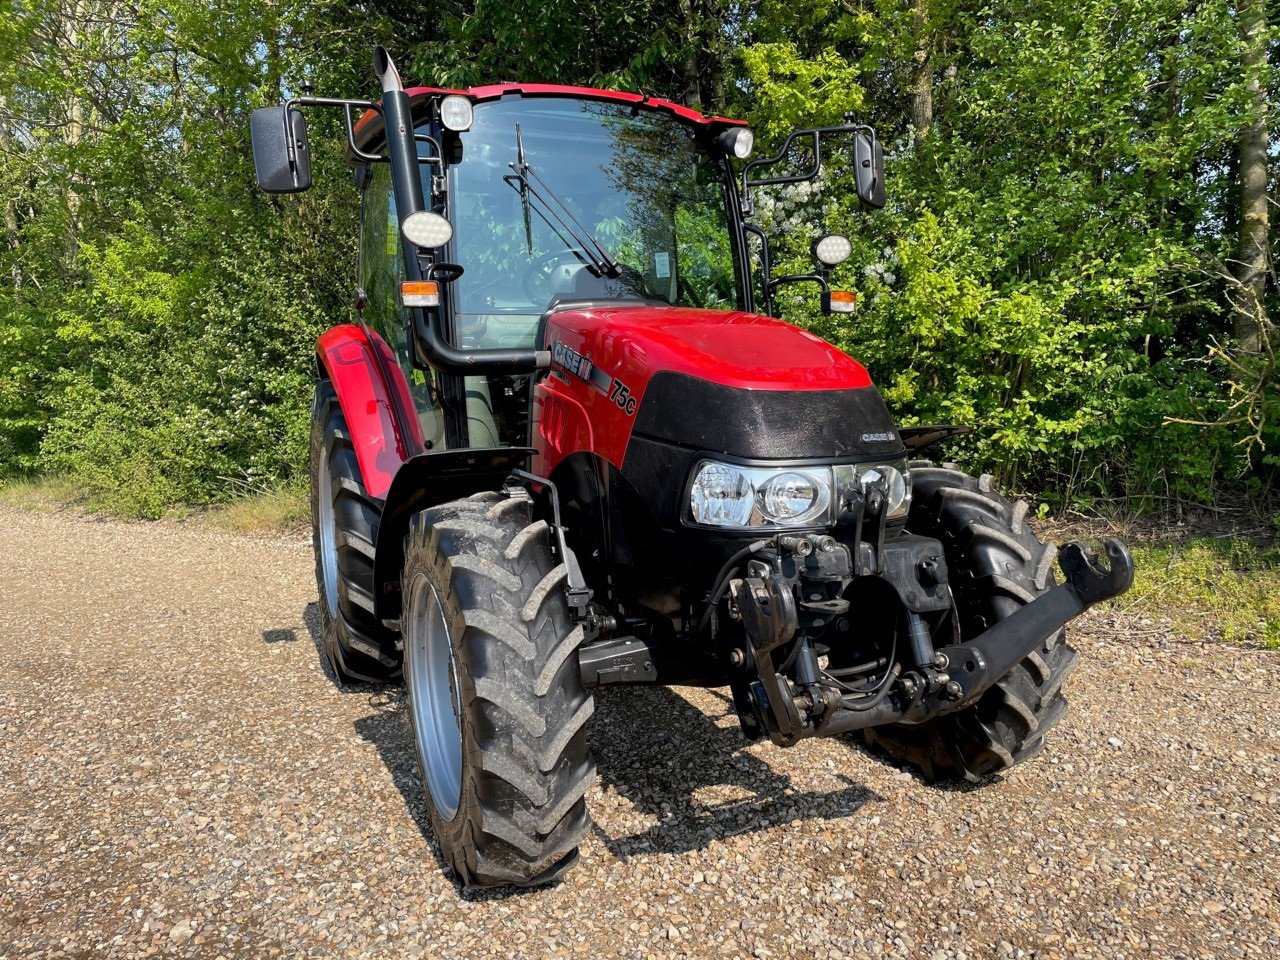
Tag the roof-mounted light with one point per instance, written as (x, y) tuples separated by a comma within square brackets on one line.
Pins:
[(737, 142), (456, 113)]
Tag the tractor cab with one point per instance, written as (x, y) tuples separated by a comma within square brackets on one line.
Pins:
[(549, 198)]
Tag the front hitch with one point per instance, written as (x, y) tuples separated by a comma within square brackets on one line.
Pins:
[(974, 666), (965, 671)]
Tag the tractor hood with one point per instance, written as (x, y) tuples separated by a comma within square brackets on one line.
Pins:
[(741, 350), (738, 384)]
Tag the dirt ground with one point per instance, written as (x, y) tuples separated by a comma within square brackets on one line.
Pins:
[(179, 776)]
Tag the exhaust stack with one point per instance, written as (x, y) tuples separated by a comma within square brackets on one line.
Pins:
[(402, 148)]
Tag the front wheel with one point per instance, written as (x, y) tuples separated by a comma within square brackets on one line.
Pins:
[(344, 519), (495, 692), (997, 565)]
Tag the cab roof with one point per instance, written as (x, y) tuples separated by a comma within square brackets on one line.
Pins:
[(369, 126)]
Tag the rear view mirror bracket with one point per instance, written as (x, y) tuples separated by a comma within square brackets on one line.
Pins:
[(281, 153), (814, 137)]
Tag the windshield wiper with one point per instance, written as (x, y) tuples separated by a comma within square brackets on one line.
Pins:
[(530, 184)]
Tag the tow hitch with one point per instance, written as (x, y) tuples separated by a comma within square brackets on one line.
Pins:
[(959, 673)]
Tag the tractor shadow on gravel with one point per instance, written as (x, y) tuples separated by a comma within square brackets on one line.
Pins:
[(690, 771), (670, 761)]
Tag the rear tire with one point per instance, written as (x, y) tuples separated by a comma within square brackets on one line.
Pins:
[(496, 700), (997, 565), (344, 519)]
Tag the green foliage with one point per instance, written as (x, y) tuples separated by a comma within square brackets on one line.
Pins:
[(200, 379), (1227, 588), (1045, 269), (1050, 269), (157, 336)]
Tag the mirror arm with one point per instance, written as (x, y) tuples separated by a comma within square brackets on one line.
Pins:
[(349, 123), (766, 267), (815, 135), (346, 105), (818, 278)]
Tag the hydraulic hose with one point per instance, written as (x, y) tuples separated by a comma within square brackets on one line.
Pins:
[(877, 695), (721, 582)]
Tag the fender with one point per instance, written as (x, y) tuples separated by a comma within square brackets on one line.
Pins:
[(424, 481), (917, 439), (382, 438)]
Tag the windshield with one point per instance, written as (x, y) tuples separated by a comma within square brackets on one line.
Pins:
[(637, 185)]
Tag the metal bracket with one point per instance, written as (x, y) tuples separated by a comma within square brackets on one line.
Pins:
[(768, 611), (577, 593)]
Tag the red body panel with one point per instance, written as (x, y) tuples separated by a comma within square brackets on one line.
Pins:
[(604, 357), (381, 441)]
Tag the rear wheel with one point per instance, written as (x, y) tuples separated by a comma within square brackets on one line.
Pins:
[(496, 699), (997, 565), (343, 520)]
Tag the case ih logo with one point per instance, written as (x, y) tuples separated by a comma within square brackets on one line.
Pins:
[(574, 363)]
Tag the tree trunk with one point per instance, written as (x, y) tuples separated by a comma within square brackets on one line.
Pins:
[(922, 79), (10, 205), (712, 83), (73, 132), (1250, 267), (690, 75)]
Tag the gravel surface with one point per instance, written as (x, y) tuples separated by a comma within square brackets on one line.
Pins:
[(178, 776)]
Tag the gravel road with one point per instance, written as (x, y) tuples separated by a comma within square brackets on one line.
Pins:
[(179, 777)]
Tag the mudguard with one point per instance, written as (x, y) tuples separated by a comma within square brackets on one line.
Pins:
[(425, 481), (384, 431)]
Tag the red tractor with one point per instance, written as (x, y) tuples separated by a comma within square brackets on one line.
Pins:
[(564, 445)]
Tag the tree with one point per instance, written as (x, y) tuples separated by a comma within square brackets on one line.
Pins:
[(1253, 249)]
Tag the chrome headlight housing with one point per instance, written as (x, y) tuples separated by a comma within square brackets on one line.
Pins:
[(743, 498), (735, 497), (895, 478)]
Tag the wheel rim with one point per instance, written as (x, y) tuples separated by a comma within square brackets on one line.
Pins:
[(431, 678), (327, 538)]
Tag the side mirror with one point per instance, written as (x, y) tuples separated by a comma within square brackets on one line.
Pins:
[(868, 166), (281, 156)]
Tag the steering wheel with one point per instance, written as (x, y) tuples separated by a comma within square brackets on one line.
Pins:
[(536, 279)]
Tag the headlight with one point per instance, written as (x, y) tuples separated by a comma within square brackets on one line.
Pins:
[(726, 495)]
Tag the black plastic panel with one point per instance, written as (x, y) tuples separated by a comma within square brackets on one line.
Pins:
[(768, 424)]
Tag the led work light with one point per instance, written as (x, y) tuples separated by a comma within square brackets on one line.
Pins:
[(426, 230), (455, 113)]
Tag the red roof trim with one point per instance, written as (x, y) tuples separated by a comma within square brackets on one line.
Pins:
[(495, 90)]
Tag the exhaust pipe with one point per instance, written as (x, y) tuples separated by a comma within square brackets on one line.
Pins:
[(397, 121)]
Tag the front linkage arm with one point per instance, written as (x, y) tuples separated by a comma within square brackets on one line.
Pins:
[(974, 666), (967, 670)]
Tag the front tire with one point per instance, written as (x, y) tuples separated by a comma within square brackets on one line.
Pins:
[(496, 700), (343, 520), (997, 565)]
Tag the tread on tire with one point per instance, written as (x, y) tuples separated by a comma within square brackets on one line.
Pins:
[(521, 810)]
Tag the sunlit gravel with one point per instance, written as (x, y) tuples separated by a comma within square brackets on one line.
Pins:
[(179, 777)]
